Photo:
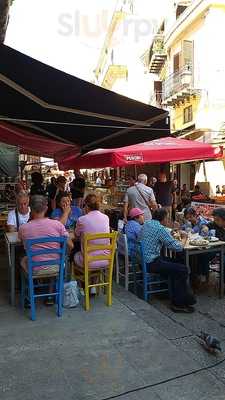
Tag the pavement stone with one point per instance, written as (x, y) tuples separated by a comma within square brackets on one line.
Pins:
[(110, 351), (201, 386)]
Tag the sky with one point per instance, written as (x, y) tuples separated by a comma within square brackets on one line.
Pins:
[(69, 34)]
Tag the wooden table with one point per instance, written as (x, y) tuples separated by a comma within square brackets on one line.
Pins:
[(12, 242), (213, 247)]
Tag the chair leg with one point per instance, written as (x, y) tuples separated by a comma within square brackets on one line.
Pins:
[(22, 293), (126, 275), (117, 268), (146, 294), (135, 277), (60, 296), (109, 291), (87, 294), (32, 301)]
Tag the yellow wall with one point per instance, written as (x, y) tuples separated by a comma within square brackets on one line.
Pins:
[(177, 114)]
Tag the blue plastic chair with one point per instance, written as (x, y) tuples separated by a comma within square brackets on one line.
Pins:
[(30, 277), (152, 283)]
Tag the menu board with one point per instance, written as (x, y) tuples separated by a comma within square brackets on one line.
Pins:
[(205, 209)]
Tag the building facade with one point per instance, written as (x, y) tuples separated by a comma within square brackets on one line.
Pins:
[(188, 61), (120, 66)]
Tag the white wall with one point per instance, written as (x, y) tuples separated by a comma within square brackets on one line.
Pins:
[(215, 174)]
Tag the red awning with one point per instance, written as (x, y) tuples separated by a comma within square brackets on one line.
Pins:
[(30, 143), (154, 152)]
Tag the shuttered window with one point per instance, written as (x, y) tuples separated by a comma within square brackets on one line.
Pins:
[(176, 62), (187, 54), (188, 114)]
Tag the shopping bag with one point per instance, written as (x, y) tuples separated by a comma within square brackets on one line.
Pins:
[(71, 294)]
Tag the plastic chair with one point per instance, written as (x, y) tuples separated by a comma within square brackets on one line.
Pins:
[(51, 269), (128, 270), (152, 283), (103, 274)]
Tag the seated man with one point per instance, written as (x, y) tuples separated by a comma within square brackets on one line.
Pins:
[(217, 225), (21, 214), (194, 222), (133, 229), (154, 236), (64, 212), (41, 227)]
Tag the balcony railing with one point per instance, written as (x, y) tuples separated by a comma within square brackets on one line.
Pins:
[(179, 86), (157, 54), (156, 100)]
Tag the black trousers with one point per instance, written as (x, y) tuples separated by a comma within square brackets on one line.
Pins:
[(177, 274)]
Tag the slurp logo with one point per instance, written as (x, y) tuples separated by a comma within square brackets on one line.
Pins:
[(94, 26)]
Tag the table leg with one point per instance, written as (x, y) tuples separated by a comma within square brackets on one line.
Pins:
[(221, 294), (12, 275), (187, 260)]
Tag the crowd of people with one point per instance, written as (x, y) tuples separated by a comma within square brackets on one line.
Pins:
[(148, 211)]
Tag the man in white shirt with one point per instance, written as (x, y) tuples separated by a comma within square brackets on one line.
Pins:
[(140, 196), (21, 214)]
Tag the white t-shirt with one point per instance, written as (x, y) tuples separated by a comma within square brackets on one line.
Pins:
[(98, 182), (23, 219)]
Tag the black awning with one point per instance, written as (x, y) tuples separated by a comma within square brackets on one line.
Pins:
[(54, 104)]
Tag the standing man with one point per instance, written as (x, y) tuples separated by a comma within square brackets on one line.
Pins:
[(77, 188), (140, 196), (164, 193)]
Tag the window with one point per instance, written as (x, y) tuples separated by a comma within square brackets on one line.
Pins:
[(188, 114)]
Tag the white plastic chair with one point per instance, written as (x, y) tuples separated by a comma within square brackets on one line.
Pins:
[(125, 271)]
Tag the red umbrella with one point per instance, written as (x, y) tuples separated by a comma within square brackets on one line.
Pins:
[(154, 152)]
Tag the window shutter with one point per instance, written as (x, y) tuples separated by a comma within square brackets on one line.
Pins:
[(158, 86), (176, 62), (187, 53)]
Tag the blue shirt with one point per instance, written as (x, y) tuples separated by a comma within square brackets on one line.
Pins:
[(72, 219), (201, 221), (132, 230), (154, 237)]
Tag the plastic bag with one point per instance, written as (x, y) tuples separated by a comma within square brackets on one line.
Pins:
[(71, 295)]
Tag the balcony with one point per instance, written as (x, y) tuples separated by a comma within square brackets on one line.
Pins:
[(179, 87), (157, 54), (113, 73), (156, 100)]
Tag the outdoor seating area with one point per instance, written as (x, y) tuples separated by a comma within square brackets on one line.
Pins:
[(150, 251)]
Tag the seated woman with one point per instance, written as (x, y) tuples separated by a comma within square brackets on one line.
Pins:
[(65, 213), (93, 221), (133, 229), (154, 236)]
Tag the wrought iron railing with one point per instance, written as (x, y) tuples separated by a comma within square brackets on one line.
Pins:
[(177, 82)]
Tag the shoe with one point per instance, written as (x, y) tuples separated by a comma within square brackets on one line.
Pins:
[(27, 304), (93, 291), (190, 300), (50, 301), (182, 309)]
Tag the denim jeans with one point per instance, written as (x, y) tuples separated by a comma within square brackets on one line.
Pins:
[(177, 274)]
